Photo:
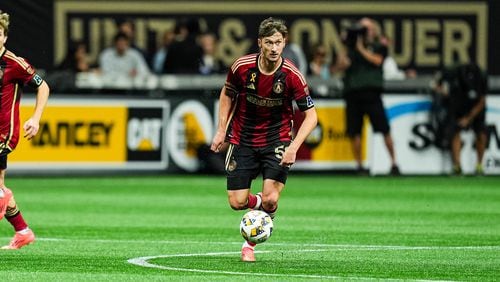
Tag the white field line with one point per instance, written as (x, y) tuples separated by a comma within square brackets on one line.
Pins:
[(143, 261), (335, 246)]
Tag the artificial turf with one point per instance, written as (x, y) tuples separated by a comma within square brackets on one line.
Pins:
[(327, 227)]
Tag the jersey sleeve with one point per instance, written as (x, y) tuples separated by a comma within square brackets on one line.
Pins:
[(301, 92), (26, 74), (233, 81)]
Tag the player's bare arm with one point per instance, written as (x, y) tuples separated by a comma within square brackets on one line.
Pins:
[(32, 125), (225, 103), (307, 126)]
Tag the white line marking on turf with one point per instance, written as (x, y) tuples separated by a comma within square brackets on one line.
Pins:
[(338, 246), (143, 261)]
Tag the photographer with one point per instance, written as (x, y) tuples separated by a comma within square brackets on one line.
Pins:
[(463, 87), (362, 62)]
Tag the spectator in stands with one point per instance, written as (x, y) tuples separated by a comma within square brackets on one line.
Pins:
[(318, 64), (121, 61), (162, 52), (184, 56), (210, 62), (294, 53), (127, 27), (76, 59), (363, 84), (466, 86)]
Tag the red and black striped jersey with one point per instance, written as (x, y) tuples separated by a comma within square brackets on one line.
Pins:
[(15, 72), (262, 107)]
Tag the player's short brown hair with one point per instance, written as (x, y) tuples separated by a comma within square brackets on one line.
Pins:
[(270, 26), (4, 22)]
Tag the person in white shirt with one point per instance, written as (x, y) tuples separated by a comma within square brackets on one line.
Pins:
[(122, 62)]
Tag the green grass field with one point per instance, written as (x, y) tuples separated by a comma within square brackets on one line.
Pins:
[(179, 228)]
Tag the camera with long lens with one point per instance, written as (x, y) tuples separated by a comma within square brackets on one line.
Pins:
[(353, 32)]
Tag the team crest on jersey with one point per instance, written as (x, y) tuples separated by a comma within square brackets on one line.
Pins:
[(278, 87), (231, 165)]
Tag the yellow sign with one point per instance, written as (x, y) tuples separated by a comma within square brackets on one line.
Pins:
[(335, 146), (73, 133)]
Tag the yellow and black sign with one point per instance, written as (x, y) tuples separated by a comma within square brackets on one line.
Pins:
[(328, 144), (72, 133), (105, 133)]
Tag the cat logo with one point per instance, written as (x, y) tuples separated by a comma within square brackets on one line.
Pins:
[(144, 134), (278, 87)]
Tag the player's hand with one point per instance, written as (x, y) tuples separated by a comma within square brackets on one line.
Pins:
[(288, 157), (463, 122), (30, 128), (218, 142)]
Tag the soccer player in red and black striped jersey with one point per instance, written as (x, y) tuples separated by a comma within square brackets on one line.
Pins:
[(255, 118), (15, 72)]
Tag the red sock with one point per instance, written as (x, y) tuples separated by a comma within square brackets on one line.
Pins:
[(17, 221), (252, 201), (251, 244)]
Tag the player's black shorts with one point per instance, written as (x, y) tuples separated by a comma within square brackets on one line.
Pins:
[(3, 158), (243, 164), (355, 111)]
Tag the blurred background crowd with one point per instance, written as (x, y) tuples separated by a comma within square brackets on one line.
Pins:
[(188, 49)]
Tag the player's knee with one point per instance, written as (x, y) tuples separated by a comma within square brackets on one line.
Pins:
[(237, 204), (270, 202)]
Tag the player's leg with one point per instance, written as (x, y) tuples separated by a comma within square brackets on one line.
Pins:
[(8, 207), (274, 176), (271, 192), (241, 168), (5, 193), (239, 200)]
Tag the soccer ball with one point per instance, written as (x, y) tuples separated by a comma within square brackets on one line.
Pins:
[(256, 226)]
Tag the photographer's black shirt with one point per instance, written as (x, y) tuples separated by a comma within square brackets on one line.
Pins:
[(363, 75)]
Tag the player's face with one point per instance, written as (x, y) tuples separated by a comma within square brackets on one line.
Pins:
[(3, 38), (272, 46)]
